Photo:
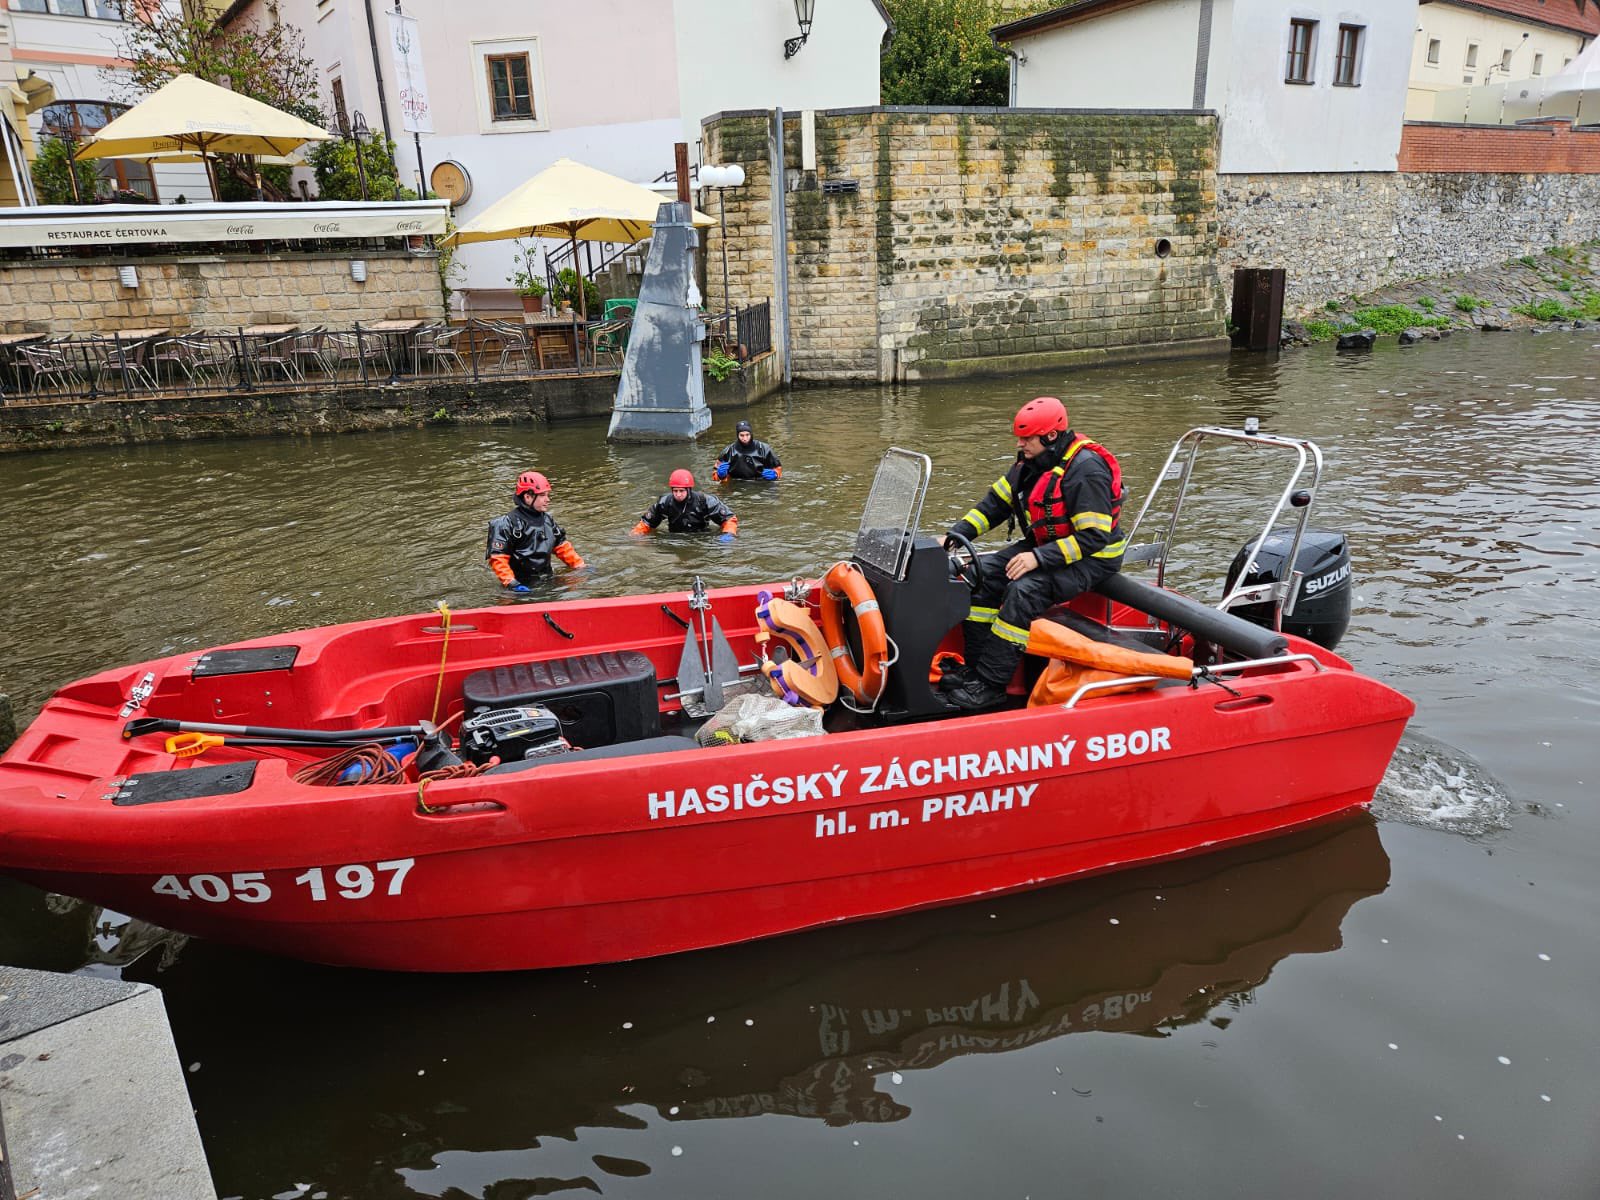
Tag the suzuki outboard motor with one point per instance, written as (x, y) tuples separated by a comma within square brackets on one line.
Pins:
[(1322, 610)]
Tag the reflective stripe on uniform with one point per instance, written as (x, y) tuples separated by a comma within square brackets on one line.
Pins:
[(1114, 550), (1010, 633), (1002, 488), (983, 616), (1069, 549), (1092, 520), (978, 521)]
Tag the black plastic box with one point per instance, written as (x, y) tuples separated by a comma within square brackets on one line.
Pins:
[(600, 699)]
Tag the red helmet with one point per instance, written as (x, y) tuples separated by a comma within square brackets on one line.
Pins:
[(1040, 416), (680, 478), (532, 481)]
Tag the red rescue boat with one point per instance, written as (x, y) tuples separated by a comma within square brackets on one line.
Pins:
[(620, 834)]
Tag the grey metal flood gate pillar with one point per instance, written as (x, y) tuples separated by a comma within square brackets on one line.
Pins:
[(661, 396)]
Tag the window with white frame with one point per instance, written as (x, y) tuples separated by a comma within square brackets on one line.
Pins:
[(1347, 56), (1538, 64), (1505, 60), (509, 76), (1433, 52), (1472, 56), (1302, 51)]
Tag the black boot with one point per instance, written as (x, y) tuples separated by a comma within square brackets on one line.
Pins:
[(953, 673), (987, 689)]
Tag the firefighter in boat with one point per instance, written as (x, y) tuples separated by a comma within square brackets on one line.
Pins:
[(522, 542), (1066, 494), (747, 457), (688, 511)]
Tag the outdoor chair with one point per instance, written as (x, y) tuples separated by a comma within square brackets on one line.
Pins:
[(347, 350), (310, 349), (435, 347), (126, 360), (609, 340), (276, 354), (514, 343), (51, 367), (201, 358)]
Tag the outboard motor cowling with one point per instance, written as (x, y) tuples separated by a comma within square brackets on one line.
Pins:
[(1322, 610)]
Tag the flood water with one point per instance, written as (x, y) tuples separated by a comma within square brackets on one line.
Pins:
[(1399, 1004)]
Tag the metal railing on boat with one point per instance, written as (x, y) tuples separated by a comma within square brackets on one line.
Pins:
[(1201, 674)]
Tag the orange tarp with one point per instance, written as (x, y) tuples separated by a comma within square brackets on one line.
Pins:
[(1076, 660)]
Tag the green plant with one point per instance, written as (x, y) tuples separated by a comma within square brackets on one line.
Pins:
[(941, 53), (1393, 318), (339, 175), (1320, 331), (441, 416), (52, 175), (1528, 260), (523, 277), (719, 364), (1426, 303), (1333, 306), (1468, 304), (566, 290), (1547, 310)]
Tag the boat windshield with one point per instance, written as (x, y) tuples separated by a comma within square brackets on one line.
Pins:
[(889, 520)]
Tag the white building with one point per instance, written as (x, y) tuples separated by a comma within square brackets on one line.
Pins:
[(510, 88), (74, 45), (1311, 85), (1462, 45)]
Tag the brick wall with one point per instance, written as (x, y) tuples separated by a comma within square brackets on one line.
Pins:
[(83, 295), (1552, 147), (1346, 234), (978, 239)]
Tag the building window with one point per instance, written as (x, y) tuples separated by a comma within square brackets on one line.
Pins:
[(1347, 58), (1433, 52), (1472, 55), (1538, 64), (1505, 60), (510, 87), (510, 96), (340, 112), (100, 10), (1302, 45), (74, 121)]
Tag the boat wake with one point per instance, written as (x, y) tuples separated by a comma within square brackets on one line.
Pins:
[(1434, 785)]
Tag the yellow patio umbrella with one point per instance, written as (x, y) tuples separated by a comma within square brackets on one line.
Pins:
[(189, 115), (570, 200)]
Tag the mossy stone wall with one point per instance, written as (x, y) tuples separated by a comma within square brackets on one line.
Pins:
[(977, 236)]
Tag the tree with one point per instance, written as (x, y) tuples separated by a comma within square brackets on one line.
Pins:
[(942, 54), (338, 178), (52, 175), (265, 62)]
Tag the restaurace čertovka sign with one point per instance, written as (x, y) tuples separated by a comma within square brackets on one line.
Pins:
[(122, 224)]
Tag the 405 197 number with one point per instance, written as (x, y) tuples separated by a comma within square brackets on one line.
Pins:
[(354, 881)]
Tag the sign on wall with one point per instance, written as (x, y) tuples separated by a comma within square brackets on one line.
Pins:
[(416, 115)]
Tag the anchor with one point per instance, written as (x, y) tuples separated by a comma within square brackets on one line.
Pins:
[(708, 664)]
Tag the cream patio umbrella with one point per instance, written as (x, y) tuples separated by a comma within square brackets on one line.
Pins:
[(570, 200), (189, 115)]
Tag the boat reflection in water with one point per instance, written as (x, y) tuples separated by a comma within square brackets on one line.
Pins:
[(373, 1084)]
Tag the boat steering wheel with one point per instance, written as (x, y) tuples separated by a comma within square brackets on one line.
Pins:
[(963, 559)]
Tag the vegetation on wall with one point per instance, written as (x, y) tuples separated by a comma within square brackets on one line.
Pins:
[(942, 54)]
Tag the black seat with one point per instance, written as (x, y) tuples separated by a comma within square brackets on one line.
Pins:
[(652, 745)]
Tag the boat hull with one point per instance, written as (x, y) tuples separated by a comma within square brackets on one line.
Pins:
[(614, 859)]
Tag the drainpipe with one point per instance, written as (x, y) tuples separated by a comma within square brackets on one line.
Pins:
[(377, 70), (778, 174), (1016, 66)]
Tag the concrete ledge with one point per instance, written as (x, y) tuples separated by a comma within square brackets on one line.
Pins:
[(92, 1092), (1056, 360)]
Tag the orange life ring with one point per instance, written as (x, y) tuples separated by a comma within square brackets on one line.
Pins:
[(845, 581)]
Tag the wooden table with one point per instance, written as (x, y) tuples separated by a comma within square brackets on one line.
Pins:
[(20, 339), (562, 331), (270, 330), (142, 335), (400, 326)]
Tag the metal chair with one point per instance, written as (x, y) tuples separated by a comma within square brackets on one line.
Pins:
[(348, 350), (126, 360), (276, 354), (435, 347), (310, 349), (609, 339), (514, 342), (51, 367)]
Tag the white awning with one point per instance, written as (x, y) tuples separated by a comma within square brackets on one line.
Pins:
[(143, 224)]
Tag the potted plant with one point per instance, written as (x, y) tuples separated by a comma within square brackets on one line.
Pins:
[(530, 284)]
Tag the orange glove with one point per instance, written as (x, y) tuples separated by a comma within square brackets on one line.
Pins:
[(642, 527), (777, 472), (500, 564), (731, 525), (568, 555)]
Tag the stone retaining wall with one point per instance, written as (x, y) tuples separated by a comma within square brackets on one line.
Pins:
[(1348, 234), (935, 242), (84, 295)]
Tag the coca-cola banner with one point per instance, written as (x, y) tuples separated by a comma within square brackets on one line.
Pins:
[(144, 224)]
